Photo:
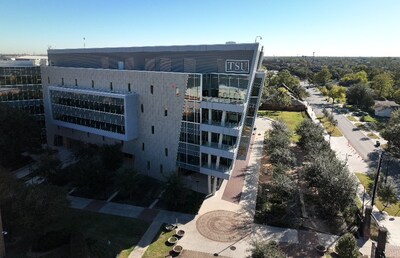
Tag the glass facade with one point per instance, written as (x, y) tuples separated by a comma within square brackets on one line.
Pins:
[(95, 111), (21, 88), (225, 88), (189, 140)]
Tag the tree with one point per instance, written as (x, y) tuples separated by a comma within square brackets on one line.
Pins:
[(391, 133), (383, 85), (354, 78), (396, 96), (284, 77), (14, 137), (280, 97), (388, 192), (175, 191), (347, 246), (264, 249), (337, 92), (279, 136), (323, 76), (48, 166), (310, 133), (360, 95)]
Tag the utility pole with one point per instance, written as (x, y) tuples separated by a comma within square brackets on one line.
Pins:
[(2, 245), (376, 179)]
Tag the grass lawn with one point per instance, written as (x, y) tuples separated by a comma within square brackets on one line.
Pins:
[(292, 119), (122, 233), (369, 119), (361, 126), (367, 182), (373, 136), (159, 249), (335, 132), (352, 118)]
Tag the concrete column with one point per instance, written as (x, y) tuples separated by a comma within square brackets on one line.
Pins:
[(217, 164), (209, 183), (209, 138), (209, 160), (209, 116), (2, 245), (214, 185), (381, 244), (223, 118), (367, 222), (220, 136)]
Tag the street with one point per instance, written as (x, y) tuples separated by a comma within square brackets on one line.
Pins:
[(361, 143)]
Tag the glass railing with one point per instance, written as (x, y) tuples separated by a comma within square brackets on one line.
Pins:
[(221, 168), (223, 100), (217, 146), (218, 123)]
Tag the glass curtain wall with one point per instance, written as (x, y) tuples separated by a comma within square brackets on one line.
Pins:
[(189, 141)]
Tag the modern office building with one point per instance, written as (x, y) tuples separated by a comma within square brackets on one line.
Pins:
[(21, 86), (185, 109)]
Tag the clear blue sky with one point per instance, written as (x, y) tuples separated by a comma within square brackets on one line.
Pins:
[(287, 27)]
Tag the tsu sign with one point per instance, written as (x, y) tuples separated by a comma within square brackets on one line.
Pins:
[(237, 66)]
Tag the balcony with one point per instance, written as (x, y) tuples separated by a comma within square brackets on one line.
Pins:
[(226, 151), (212, 170)]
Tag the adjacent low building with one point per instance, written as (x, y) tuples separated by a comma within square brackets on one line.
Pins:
[(185, 109), (21, 86), (385, 108)]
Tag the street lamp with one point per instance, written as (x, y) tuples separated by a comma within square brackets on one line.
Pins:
[(377, 178)]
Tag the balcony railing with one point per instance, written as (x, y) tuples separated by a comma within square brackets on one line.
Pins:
[(217, 146), (221, 168)]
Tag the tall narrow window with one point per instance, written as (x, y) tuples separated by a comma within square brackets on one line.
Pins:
[(151, 89), (48, 79), (62, 81), (141, 108), (152, 129), (92, 84), (148, 165), (88, 135), (166, 152), (111, 86), (142, 146), (165, 112), (104, 138), (129, 87), (161, 169), (76, 82)]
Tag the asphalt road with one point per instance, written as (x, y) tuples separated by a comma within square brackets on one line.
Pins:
[(361, 143)]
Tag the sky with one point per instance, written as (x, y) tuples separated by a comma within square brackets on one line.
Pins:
[(287, 27)]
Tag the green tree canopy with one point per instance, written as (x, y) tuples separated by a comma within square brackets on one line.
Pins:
[(337, 92), (383, 84), (323, 76), (388, 191), (360, 95), (354, 78), (392, 133), (14, 136)]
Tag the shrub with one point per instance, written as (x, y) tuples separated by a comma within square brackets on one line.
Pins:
[(347, 246)]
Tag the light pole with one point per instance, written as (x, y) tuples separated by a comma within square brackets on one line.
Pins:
[(2, 245), (377, 178)]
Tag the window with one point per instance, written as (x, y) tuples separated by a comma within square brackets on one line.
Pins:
[(104, 139), (161, 168), (152, 129), (92, 84), (88, 135), (165, 112), (166, 152), (177, 92), (142, 146), (129, 87), (148, 165), (76, 82), (48, 79), (141, 108), (62, 81), (111, 86), (151, 89)]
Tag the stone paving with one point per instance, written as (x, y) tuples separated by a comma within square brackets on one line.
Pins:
[(222, 226)]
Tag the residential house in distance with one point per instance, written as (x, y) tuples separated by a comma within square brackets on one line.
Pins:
[(385, 108), (184, 109)]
